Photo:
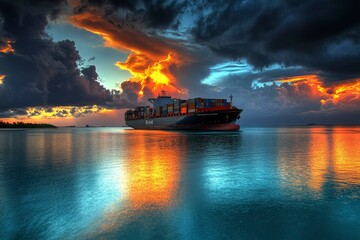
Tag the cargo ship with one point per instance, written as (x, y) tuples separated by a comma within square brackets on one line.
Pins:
[(167, 113)]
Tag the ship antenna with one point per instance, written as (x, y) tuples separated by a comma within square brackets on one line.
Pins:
[(163, 93), (231, 98)]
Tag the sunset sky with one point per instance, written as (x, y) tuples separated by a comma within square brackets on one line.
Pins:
[(284, 61)]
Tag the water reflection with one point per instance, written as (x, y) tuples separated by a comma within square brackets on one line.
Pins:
[(121, 184), (59, 179), (153, 168), (151, 177), (318, 156), (346, 156)]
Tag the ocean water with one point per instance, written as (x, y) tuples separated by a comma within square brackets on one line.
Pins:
[(116, 183)]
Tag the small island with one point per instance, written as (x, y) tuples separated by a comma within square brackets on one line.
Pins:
[(25, 125)]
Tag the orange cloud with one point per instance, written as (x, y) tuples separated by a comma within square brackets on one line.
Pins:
[(335, 94), (2, 77), (122, 38), (156, 76), (347, 90), (150, 58), (7, 48)]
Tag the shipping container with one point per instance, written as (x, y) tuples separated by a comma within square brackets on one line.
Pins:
[(164, 113), (170, 108), (158, 111), (183, 107), (176, 104), (164, 108)]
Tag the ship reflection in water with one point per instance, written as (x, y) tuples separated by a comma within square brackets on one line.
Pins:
[(113, 183)]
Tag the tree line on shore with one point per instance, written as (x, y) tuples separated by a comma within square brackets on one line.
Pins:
[(25, 125)]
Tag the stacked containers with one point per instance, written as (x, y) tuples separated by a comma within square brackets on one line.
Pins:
[(200, 103), (210, 104), (164, 111), (140, 112), (158, 111), (129, 114), (183, 107), (192, 105), (176, 106), (148, 111), (170, 108)]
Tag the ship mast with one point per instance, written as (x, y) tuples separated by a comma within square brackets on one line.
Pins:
[(231, 98)]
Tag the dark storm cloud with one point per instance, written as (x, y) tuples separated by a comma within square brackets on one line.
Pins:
[(13, 113), (42, 72), (130, 89), (3, 42), (155, 14), (317, 34), (321, 36), (163, 14)]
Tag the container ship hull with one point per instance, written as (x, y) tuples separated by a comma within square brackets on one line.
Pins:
[(223, 120)]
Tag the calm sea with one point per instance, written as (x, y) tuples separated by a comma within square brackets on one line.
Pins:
[(116, 183)]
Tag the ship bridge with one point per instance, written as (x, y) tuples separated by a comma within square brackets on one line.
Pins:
[(162, 100)]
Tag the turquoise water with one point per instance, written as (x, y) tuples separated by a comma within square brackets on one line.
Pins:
[(115, 183)]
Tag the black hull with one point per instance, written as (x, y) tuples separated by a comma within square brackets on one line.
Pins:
[(222, 120)]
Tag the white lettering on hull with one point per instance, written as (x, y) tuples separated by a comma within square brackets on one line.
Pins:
[(149, 122)]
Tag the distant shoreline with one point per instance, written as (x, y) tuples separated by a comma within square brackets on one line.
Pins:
[(25, 125)]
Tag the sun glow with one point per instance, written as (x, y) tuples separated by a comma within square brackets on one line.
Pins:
[(65, 112)]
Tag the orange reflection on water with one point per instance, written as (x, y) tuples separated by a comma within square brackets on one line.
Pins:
[(323, 154), (153, 170), (346, 155), (151, 176), (319, 155)]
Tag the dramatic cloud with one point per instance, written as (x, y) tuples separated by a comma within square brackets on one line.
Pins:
[(284, 61), (142, 14), (318, 34), (297, 99), (35, 70), (152, 58), (39, 71)]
